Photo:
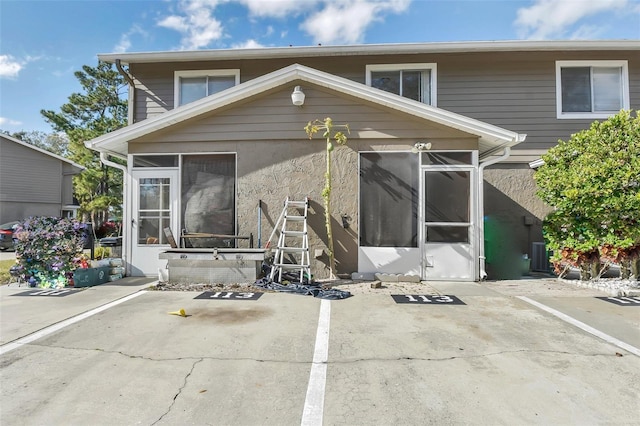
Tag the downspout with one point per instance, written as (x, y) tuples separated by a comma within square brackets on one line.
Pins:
[(132, 91), (131, 117), (104, 158), (481, 257)]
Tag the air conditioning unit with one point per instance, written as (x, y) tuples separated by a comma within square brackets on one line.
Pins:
[(540, 258)]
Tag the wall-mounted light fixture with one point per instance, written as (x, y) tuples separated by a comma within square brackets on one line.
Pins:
[(345, 221), (297, 97), (421, 146)]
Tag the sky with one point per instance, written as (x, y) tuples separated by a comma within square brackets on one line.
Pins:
[(42, 43)]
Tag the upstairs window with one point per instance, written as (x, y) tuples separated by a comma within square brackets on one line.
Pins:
[(193, 85), (591, 89), (413, 81)]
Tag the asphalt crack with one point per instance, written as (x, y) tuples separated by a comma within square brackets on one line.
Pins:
[(342, 361), (175, 397)]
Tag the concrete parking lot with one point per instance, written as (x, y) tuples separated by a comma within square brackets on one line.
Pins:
[(288, 359)]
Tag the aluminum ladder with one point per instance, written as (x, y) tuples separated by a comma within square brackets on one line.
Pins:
[(292, 251)]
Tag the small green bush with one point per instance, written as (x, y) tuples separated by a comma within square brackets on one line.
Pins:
[(102, 252)]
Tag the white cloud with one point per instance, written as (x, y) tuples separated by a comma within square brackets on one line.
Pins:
[(249, 44), (269, 31), (9, 122), (125, 39), (9, 66), (196, 23), (326, 21), (277, 8), (554, 18), (588, 32), (346, 21), (173, 22)]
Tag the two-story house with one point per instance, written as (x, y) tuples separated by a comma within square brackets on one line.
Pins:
[(435, 179), (34, 182)]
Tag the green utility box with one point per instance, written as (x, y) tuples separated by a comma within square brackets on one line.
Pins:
[(87, 277)]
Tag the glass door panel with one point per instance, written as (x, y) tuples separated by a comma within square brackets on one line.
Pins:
[(155, 207), (154, 213)]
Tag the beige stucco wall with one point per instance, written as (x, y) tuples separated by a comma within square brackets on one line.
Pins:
[(279, 161), (513, 218), (271, 171), (270, 176)]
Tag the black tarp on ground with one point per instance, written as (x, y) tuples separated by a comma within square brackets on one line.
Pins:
[(306, 289)]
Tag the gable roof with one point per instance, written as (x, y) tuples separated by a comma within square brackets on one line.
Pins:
[(43, 151), (492, 139)]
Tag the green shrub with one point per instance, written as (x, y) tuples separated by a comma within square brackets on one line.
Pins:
[(102, 252), (593, 182)]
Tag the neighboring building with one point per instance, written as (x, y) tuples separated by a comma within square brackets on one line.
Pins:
[(34, 182), (214, 132)]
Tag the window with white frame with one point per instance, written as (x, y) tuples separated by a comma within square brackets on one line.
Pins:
[(193, 85), (413, 81), (591, 89)]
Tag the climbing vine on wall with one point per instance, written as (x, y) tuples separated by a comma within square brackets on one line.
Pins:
[(332, 137)]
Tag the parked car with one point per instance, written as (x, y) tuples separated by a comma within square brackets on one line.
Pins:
[(6, 235)]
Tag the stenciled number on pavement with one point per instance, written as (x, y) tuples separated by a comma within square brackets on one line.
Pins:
[(229, 295), (622, 300), (47, 292), (424, 299)]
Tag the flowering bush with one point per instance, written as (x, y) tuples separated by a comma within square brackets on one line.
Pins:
[(108, 228), (49, 249)]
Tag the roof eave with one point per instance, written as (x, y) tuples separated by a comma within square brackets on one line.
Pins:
[(369, 49), (44, 151)]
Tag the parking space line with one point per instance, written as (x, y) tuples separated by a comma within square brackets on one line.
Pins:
[(314, 401), (62, 324), (619, 343)]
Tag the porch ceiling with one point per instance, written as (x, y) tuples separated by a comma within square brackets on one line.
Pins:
[(492, 139)]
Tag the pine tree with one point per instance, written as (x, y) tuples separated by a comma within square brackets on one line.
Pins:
[(98, 110), (55, 143)]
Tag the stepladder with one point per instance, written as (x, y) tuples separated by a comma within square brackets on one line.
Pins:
[(291, 256)]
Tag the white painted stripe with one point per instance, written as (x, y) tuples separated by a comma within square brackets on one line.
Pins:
[(314, 402), (62, 324), (619, 343)]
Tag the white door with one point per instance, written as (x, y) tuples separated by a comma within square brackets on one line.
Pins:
[(155, 207), (448, 219)]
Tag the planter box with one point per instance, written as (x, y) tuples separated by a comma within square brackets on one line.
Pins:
[(87, 277)]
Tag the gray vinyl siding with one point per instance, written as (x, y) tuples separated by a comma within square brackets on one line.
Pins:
[(514, 90), (272, 117), (32, 183), (155, 82), (26, 172), (153, 94), (518, 92)]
